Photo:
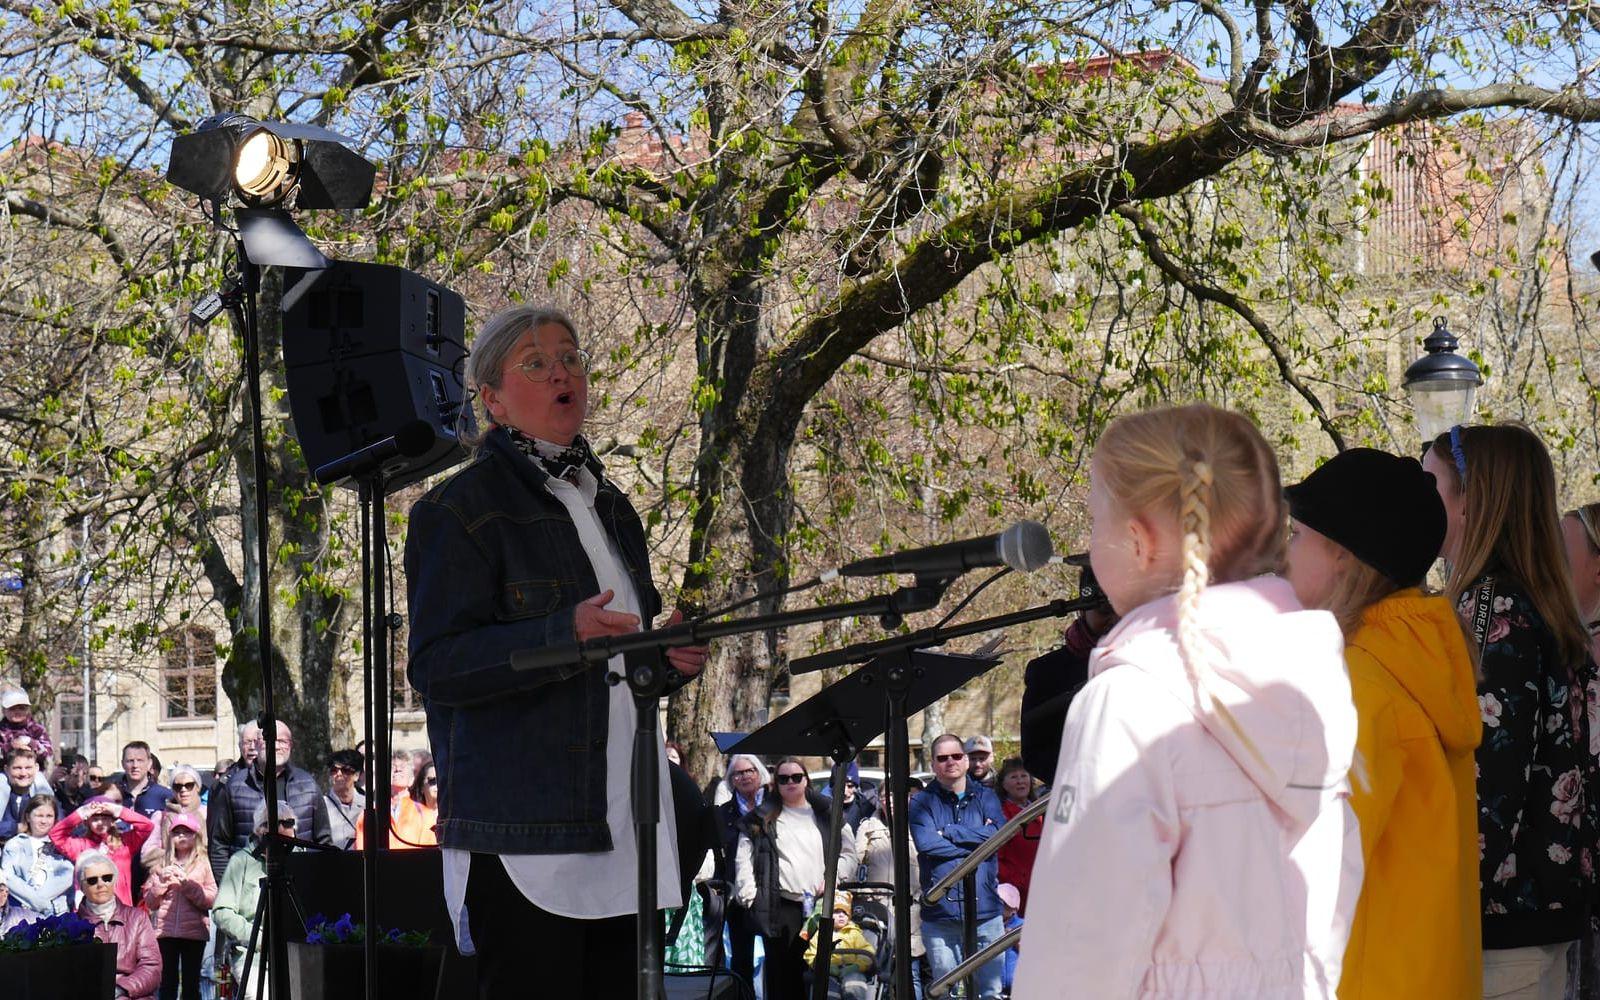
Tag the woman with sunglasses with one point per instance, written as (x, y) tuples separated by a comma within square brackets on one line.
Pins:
[(531, 546), (100, 816), (117, 923), (240, 891), (178, 893), (1509, 580), (185, 801), (1580, 530), (345, 801), (779, 870), (414, 827)]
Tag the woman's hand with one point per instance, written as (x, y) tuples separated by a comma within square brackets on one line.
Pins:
[(590, 618), (686, 660)]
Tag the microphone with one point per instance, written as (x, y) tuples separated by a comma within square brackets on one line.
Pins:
[(411, 440), (1024, 546)]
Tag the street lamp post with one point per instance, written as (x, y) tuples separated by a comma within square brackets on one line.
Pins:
[(1442, 384)]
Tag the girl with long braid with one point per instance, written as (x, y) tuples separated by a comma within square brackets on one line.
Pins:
[(1200, 842)]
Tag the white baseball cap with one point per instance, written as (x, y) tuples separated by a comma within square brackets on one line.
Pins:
[(14, 697)]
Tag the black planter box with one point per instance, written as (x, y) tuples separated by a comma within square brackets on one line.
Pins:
[(76, 972), (338, 971)]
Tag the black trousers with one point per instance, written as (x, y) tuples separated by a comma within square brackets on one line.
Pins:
[(180, 958), (742, 938), (785, 961), (524, 951)]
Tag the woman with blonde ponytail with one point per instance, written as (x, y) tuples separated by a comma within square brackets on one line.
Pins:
[(1200, 842)]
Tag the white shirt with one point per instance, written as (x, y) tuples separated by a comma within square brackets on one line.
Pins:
[(601, 883)]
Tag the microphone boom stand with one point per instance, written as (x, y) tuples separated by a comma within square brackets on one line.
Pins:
[(647, 677)]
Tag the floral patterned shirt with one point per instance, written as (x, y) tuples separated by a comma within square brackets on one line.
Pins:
[(1537, 771)]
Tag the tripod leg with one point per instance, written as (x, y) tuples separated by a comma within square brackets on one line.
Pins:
[(250, 947)]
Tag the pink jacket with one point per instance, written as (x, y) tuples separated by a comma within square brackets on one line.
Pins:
[(138, 955), (138, 831), (1187, 856), (182, 909)]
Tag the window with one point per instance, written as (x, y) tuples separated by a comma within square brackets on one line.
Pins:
[(69, 725), (189, 675)]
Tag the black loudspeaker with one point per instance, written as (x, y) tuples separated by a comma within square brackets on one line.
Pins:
[(372, 353)]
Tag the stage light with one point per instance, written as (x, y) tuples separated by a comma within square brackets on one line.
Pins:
[(266, 167), (1442, 384)]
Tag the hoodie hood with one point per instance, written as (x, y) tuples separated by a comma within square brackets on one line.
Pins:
[(1418, 640), (1272, 690)]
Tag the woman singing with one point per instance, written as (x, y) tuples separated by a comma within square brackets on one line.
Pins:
[(530, 546)]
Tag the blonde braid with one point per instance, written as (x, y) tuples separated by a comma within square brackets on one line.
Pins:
[(1195, 518)]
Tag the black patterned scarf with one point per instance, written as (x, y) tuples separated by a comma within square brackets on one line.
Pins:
[(558, 462)]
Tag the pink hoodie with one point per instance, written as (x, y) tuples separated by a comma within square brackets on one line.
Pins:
[(1187, 857)]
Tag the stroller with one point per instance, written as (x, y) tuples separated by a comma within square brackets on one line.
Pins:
[(871, 904)]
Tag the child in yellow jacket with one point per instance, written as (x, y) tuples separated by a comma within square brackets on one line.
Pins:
[(852, 952), (1366, 528)]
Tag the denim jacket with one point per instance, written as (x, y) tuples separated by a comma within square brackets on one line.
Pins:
[(16, 867), (946, 828), (494, 565)]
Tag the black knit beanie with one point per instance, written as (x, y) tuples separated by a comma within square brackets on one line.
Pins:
[(1383, 508)]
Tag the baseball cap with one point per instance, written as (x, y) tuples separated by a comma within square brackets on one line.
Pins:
[(185, 821), (14, 697), (980, 743), (1009, 895)]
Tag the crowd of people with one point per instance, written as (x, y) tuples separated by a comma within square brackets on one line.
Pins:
[(169, 871), (1279, 763)]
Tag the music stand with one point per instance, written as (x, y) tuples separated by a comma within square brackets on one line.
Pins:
[(837, 722)]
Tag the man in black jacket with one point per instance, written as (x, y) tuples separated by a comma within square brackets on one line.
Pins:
[(228, 815), (1050, 681)]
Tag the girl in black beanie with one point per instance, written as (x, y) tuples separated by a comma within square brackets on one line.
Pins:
[(1366, 527)]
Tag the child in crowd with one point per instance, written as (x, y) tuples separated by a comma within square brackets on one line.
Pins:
[(1366, 528), (1200, 839), (179, 894), (18, 727), (1010, 903), (100, 817), (852, 952)]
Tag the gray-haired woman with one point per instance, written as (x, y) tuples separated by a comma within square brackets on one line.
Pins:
[(115, 922), (531, 546), (240, 891)]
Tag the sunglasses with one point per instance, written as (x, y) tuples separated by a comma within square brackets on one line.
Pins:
[(790, 779), (341, 769), (744, 772), (431, 782), (184, 786), (97, 879), (945, 758), (96, 777), (286, 824)]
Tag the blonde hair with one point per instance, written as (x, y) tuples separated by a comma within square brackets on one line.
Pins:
[(1357, 588), (170, 855), (1512, 524), (1211, 472)]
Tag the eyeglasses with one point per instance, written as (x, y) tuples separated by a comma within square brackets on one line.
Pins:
[(96, 777), (539, 368), (342, 769), (286, 823), (97, 879), (184, 786), (431, 782), (1459, 455), (791, 779), (945, 758), (744, 772)]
